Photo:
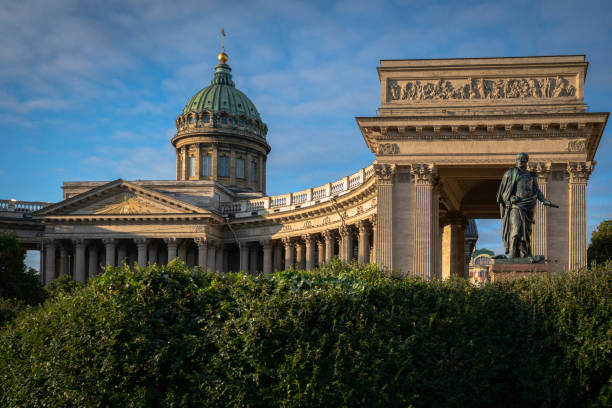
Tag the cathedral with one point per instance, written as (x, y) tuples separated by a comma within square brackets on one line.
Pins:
[(445, 133)]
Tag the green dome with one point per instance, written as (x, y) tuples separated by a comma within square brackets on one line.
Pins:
[(222, 96)]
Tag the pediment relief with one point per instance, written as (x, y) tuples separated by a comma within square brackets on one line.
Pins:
[(120, 198), (125, 203)]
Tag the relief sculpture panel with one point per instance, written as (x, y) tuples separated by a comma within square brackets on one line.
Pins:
[(479, 88)]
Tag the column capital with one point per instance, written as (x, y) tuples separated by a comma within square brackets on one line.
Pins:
[(424, 173), (344, 231), (287, 241), (79, 241), (201, 241), (579, 172), (456, 218), (109, 241), (50, 242), (266, 243), (373, 220), (308, 238), (171, 241), (542, 169), (328, 235), (363, 226), (141, 241), (384, 173)]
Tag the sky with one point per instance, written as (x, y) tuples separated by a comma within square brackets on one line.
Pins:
[(90, 90)]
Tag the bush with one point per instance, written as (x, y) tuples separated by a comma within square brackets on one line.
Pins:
[(341, 336), (600, 248), (17, 282)]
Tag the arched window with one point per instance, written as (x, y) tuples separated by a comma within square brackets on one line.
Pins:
[(206, 165), (240, 168)]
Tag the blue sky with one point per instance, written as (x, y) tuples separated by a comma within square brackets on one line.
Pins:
[(90, 90)]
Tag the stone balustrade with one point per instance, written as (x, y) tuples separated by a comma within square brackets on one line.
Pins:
[(300, 199), (22, 206)]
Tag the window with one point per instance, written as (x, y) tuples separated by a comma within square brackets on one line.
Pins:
[(240, 168), (205, 118), (206, 166), (224, 120), (192, 166), (253, 171), (223, 166)]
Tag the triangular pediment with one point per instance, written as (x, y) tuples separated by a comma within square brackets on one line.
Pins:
[(122, 198)]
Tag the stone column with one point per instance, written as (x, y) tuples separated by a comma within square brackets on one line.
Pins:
[(121, 254), (219, 258), (50, 247), (172, 243), (424, 238), (578, 177), (436, 233), (152, 256), (538, 237), (232, 169), (308, 240), (141, 244), (182, 251), (64, 261), (453, 246), (343, 233), (373, 221), (110, 245), (277, 256), (364, 242), (321, 248), (267, 256), (211, 260), (215, 161), (288, 252), (244, 257), (253, 255), (184, 164), (299, 254), (94, 265), (384, 213), (202, 252), (80, 269), (329, 245)]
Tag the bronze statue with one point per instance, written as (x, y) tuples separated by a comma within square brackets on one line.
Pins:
[(517, 196)]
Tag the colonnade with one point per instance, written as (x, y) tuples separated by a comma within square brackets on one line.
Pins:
[(84, 258)]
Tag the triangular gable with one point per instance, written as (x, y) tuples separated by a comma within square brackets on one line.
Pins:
[(120, 197)]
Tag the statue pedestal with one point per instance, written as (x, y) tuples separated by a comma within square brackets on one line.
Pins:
[(516, 268)]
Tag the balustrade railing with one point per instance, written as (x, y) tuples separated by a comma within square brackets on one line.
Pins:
[(301, 198), (22, 206)]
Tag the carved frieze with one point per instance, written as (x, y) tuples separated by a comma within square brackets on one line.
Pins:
[(576, 146), (480, 88), (389, 149)]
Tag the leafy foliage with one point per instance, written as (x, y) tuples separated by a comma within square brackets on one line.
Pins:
[(600, 248), (340, 336), (15, 280)]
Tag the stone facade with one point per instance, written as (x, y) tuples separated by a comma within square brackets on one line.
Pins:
[(444, 135)]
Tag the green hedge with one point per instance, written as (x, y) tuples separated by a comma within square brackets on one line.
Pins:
[(167, 336)]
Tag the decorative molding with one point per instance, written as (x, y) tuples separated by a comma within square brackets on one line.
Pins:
[(480, 89), (388, 149)]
